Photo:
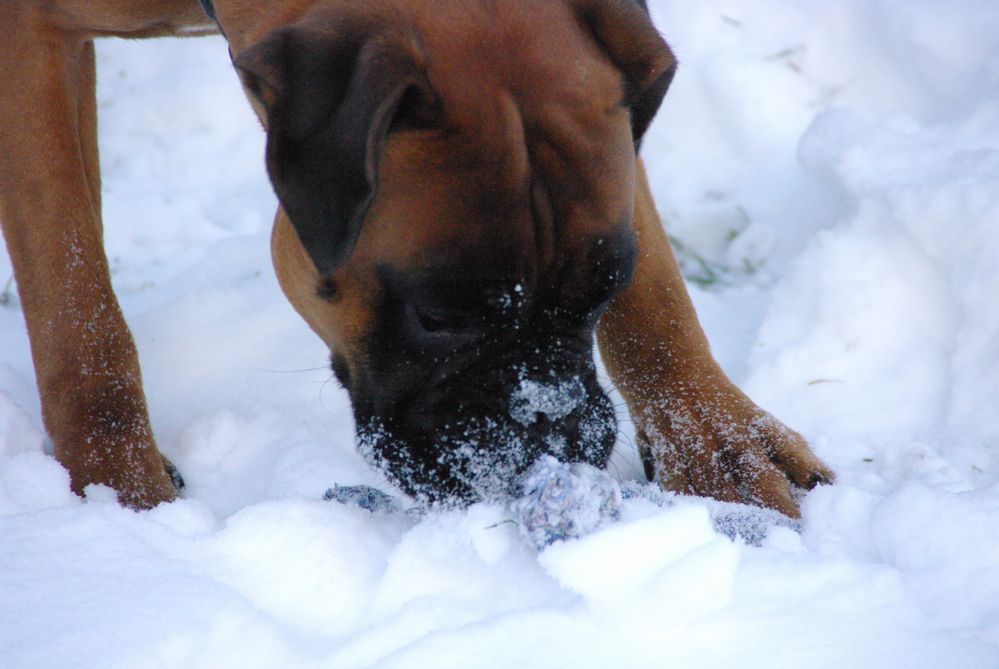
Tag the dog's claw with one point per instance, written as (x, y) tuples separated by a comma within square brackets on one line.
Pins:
[(821, 478), (175, 478)]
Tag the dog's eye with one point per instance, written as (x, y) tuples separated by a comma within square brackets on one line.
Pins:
[(432, 322), (438, 321)]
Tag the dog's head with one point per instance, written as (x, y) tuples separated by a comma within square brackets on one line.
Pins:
[(456, 182)]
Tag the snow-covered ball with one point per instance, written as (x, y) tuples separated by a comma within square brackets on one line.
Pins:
[(561, 501)]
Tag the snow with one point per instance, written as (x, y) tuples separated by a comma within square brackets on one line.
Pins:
[(830, 170)]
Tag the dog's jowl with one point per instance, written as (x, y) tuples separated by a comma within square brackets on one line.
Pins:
[(462, 212)]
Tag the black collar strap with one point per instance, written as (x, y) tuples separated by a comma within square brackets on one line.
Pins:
[(209, 8)]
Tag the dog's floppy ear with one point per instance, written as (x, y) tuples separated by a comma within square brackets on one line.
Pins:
[(330, 98), (625, 31)]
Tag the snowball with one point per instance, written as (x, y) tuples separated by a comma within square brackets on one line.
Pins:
[(565, 501)]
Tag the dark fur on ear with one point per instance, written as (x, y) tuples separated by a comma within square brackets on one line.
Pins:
[(625, 31), (330, 98)]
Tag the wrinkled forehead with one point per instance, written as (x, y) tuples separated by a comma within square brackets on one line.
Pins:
[(508, 67), (514, 213), (527, 139), (534, 162)]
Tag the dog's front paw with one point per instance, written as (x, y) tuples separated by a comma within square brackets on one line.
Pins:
[(146, 482), (721, 445), (134, 468)]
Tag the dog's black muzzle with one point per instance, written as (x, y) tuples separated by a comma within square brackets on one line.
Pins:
[(479, 423)]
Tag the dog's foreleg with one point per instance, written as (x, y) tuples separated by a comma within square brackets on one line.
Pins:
[(85, 360), (697, 432)]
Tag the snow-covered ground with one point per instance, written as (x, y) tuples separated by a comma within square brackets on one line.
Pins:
[(831, 170)]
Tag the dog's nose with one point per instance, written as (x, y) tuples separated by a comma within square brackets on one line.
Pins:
[(537, 403), (569, 418)]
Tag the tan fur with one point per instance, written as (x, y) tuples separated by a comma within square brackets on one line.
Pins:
[(703, 435), (86, 364)]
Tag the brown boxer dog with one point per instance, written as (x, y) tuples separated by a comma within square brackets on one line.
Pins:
[(461, 210)]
